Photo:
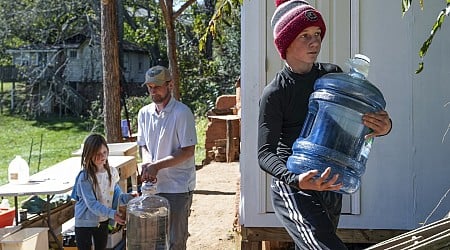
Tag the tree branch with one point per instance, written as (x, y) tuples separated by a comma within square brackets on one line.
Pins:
[(182, 8)]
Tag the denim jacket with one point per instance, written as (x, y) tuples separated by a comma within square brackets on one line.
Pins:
[(87, 208)]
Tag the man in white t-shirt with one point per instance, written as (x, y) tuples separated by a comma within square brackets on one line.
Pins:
[(167, 139)]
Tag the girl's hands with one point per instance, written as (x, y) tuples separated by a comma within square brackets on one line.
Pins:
[(119, 219)]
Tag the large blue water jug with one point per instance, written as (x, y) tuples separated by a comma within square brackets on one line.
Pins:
[(333, 132)]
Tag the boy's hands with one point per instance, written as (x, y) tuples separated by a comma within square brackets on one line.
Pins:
[(308, 182), (378, 122)]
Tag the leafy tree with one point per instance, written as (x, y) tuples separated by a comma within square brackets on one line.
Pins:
[(45, 21), (144, 26), (225, 9), (205, 74), (217, 66), (406, 4), (170, 17)]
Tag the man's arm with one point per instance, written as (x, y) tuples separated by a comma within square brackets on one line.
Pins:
[(150, 169)]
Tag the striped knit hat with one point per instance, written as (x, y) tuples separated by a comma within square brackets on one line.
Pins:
[(291, 18)]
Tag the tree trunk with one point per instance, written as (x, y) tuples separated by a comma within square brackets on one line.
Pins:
[(111, 73), (169, 19), (210, 8)]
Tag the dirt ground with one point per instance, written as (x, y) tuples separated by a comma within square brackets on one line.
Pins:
[(214, 207)]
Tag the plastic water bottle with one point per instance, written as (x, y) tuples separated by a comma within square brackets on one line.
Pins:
[(18, 171), (148, 188), (148, 220), (4, 204), (333, 132)]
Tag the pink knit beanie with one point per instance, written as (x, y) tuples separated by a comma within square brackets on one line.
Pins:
[(290, 18)]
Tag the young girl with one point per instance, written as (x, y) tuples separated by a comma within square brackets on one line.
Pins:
[(97, 193)]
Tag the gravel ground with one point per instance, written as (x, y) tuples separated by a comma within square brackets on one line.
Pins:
[(213, 210)]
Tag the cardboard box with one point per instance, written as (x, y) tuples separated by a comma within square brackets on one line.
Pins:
[(27, 238)]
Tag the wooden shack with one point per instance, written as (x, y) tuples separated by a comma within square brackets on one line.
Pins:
[(82, 59)]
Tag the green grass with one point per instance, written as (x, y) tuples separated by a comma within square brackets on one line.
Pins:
[(60, 137), (46, 141), (42, 143), (6, 86), (201, 125)]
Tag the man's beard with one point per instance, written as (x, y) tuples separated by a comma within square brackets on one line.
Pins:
[(158, 99)]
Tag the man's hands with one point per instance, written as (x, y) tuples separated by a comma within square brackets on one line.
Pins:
[(149, 172), (378, 122), (306, 181)]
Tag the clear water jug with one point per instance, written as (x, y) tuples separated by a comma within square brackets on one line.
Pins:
[(333, 132), (18, 171), (148, 221)]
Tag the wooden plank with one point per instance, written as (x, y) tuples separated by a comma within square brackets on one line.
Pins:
[(128, 169), (254, 245), (404, 244), (279, 234), (425, 232), (277, 245), (441, 242), (59, 215), (230, 147), (265, 234), (367, 236)]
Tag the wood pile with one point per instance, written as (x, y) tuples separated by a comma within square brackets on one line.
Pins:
[(218, 152), (216, 132)]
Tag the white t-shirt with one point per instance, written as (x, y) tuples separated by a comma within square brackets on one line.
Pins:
[(164, 133), (105, 192)]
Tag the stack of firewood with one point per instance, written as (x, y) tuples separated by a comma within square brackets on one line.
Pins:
[(219, 150)]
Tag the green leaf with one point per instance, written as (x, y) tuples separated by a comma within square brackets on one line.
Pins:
[(405, 6), (420, 68), (436, 26)]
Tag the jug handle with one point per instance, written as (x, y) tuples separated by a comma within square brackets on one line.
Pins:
[(307, 125)]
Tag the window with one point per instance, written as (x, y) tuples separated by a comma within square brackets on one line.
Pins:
[(73, 54)]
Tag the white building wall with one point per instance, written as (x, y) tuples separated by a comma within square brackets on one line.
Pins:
[(407, 172)]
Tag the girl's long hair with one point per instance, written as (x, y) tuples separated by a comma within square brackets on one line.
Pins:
[(92, 145)]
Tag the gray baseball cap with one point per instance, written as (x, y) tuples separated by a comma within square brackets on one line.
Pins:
[(157, 75)]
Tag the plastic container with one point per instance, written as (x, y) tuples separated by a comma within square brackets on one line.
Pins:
[(333, 132), (148, 188), (114, 239), (27, 238), (125, 128), (4, 204), (148, 222), (7, 217), (18, 171)]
